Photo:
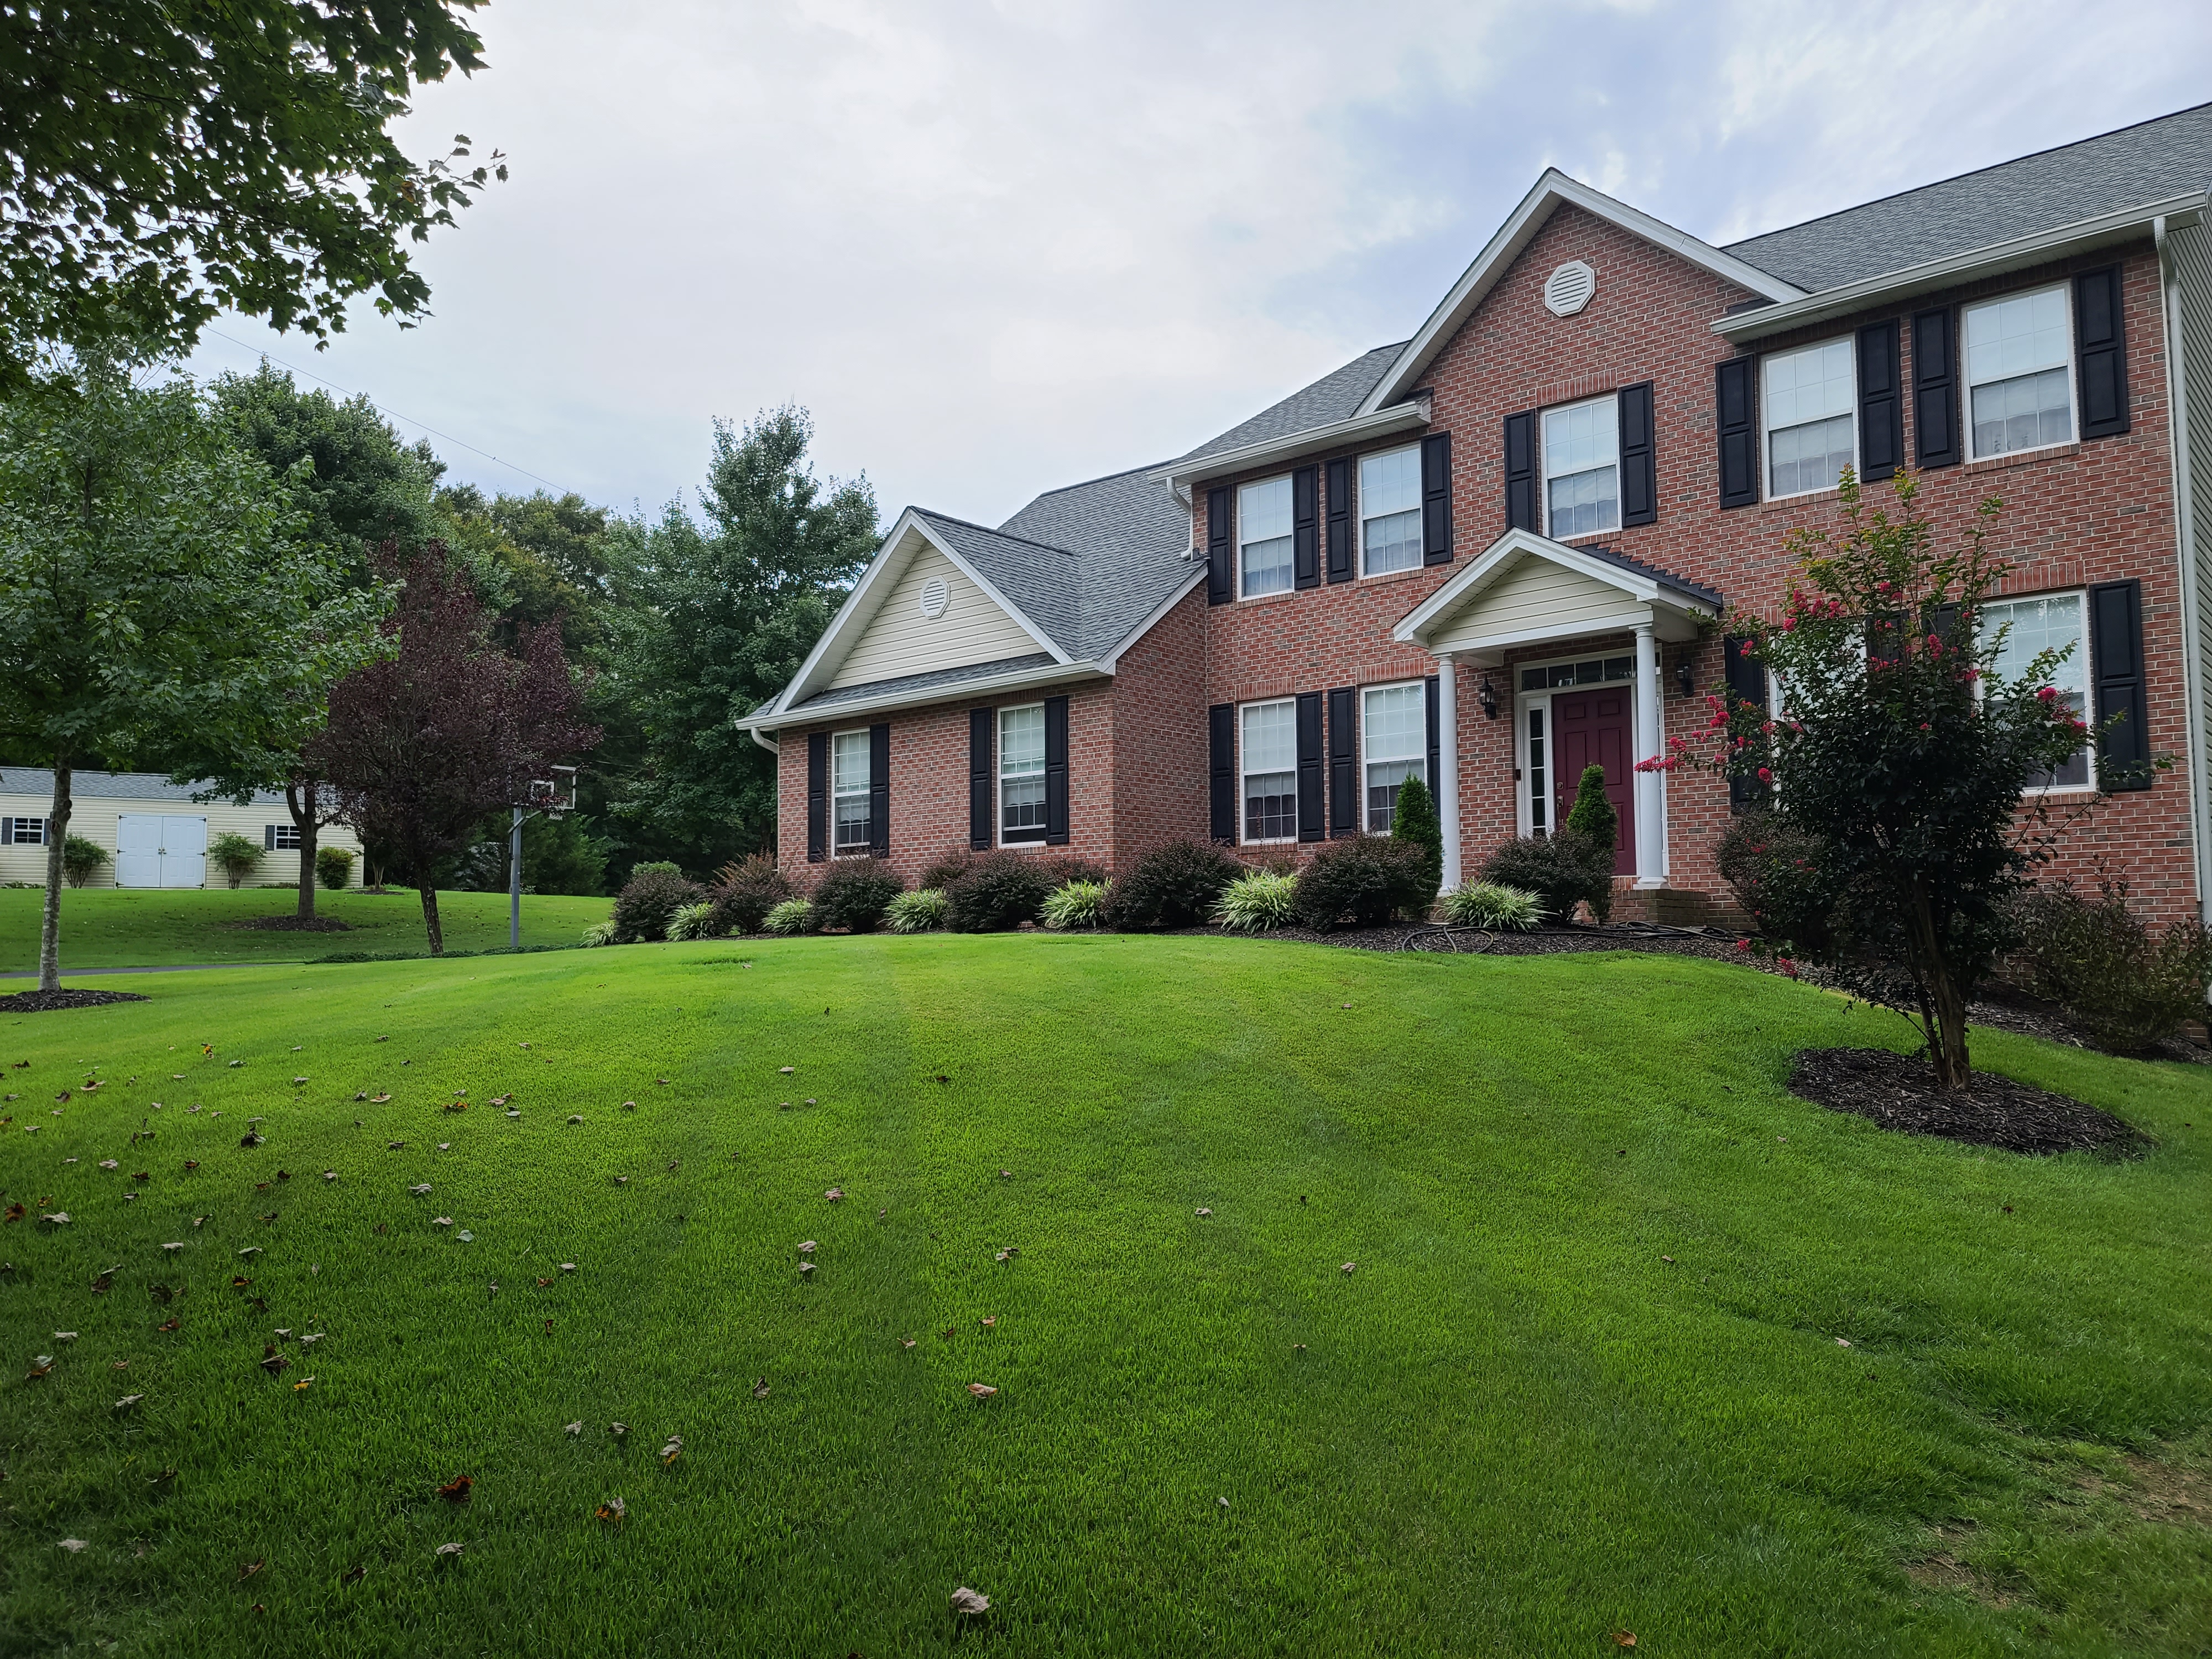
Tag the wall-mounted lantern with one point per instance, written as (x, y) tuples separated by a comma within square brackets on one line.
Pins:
[(1686, 677), (1487, 697)]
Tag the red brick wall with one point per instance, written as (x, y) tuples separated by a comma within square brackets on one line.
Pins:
[(1160, 761)]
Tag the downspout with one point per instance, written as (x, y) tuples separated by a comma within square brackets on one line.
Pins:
[(767, 744), (2184, 531)]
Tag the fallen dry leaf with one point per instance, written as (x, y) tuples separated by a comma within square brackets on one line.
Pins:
[(971, 1604), (74, 1546), (456, 1491), (377, 1100), (982, 1390), (304, 1382), (906, 1342), (420, 1188), (787, 1070), (1623, 1638), (355, 1574), (40, 1365), (614, 1512), (1205, 1212), (672, 1451), (169, 1324), (65, 1336), (989, 1321), (247, 1569), (760, 1389), (835, 1194), (574, 1428), (1349, 1266), (1843, 1342), (618, 1429), (274, 1363), (448, 1549), (128, 1402)]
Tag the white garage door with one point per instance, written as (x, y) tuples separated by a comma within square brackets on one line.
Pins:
[(156, 850)]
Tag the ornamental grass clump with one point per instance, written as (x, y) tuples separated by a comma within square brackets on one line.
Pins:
[(692, 921), (599, 933), (925, 910), (1076, 905), (791, 918), (1172, 886), (1363, 880), (1258, 902), (852, 894), (1490, 904)]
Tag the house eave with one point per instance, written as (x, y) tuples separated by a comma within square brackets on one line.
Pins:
[(773, 719), (2126, 224), (1336, 435)]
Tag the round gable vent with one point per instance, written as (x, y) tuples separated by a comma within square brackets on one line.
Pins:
[(935, 596), (1568, 289)]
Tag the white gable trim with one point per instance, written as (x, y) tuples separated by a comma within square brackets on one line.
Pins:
[(1520, 229), (1419, 625), (867, 596)]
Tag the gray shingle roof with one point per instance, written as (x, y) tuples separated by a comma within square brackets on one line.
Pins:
[(1666, 578), (1335, 397), (1129, 536), (111, 786), (2147, 162), (938, 679)]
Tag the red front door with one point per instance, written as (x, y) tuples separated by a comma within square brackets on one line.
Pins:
[(1592, 728)]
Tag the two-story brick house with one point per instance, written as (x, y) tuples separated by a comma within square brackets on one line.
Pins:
[(1504, 548)]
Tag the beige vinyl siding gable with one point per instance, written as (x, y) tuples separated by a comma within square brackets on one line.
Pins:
[(1536, 595), (899, 640), (94, 818)]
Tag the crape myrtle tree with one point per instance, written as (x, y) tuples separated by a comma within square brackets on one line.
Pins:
[(155, 596), (1895, 759), (421, 747)]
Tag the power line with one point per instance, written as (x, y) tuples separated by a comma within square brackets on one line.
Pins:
[(410, 419)]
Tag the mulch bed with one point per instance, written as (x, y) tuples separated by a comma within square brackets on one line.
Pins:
[(1898, 1092), (46, 1002), (291, 925)]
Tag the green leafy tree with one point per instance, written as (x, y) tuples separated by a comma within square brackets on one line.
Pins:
[(718, 612), (1413, 820), (155, 596), (168, 160)]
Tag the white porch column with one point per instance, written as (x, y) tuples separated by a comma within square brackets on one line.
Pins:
[(1650, 803), (1447, 785)]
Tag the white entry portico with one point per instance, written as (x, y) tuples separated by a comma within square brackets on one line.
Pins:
[(1525, 590)]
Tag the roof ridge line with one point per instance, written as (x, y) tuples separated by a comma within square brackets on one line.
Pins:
[(989, 530)]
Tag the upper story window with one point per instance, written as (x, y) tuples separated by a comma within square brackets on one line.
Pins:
[(1393, 742), (1263, 530), (1811, 436), (1390, 511), (1271, 770), (848, 789), (1582, 468), (2020, 352), (1021, 773), (2050, 622)]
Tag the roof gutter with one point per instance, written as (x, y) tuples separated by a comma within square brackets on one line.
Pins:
[(772, 718), (2123, 225), (1179, 476)]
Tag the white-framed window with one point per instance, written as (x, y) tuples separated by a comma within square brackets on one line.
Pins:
[(283, 838), (1538, 771), (1811, 434), (26, 832), (2019, 372), (1394, 745), (1271, 770), (1582, 468), (1264, 563), (2048, 621), (1021, 773), (849, 773), (1390, 511)]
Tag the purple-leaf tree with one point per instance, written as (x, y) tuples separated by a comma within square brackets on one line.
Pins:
[(422, 748)]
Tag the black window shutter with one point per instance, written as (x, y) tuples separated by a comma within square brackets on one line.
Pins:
[(1312, 815), (1886, 637), (1881, 402), (6, 832), (1639, 470), (1305, 525), (2100, 338), (982, 734), (1221, 741), (1343, 763), (268, 837), (1935, 389), (1055, 771), (1521, 472), (1218, 589), (1735, 409), (1942, 620), (2117, 658), (1340, 519), (1436, 499), (817, 795), (1436, 734), (1747, 682), (880, 792)]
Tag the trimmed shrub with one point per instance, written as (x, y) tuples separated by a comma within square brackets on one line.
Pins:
[(746, 892), (1562, 871), (2098, 960), (1172, 886), (1076, 904), (1362, 880), (1062, 868), (949, 868), (997, 890), (693, 921), (1770, 865), (1486, 904), (791, 917), (654, 867), (334, 867), (1593, 817), (851, 894), (237, 856), (1258, 903), (81, 859), (1414, 822), (922, 911), (599, 933), (645, 907)]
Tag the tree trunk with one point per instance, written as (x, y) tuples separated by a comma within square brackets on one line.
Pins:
[(1944, 1005), (430, 891), (299, 801), (49, 924)]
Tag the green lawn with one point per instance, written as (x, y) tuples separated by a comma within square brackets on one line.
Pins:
[(113, 927), (1515, 1429)]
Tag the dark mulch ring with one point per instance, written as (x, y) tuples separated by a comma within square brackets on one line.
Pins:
[(1719, 946), (291, 925), (44, 1002), (1898, 1092)]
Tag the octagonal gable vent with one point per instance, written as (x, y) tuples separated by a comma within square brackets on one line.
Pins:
[(935, 597), (1568, 289)]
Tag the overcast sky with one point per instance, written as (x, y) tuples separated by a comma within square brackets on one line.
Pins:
[(996, 248)]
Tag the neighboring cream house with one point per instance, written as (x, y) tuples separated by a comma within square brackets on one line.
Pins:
[(154, 833)]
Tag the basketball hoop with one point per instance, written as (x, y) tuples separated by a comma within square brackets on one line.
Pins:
[(549, 797), (557, 794)]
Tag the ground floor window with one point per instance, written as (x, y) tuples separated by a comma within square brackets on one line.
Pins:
[(281, 838), (1021, 773), (849, 790), (1271, 770), (24, 832), (2053, 621), (1393, 738), (1539, 773)]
